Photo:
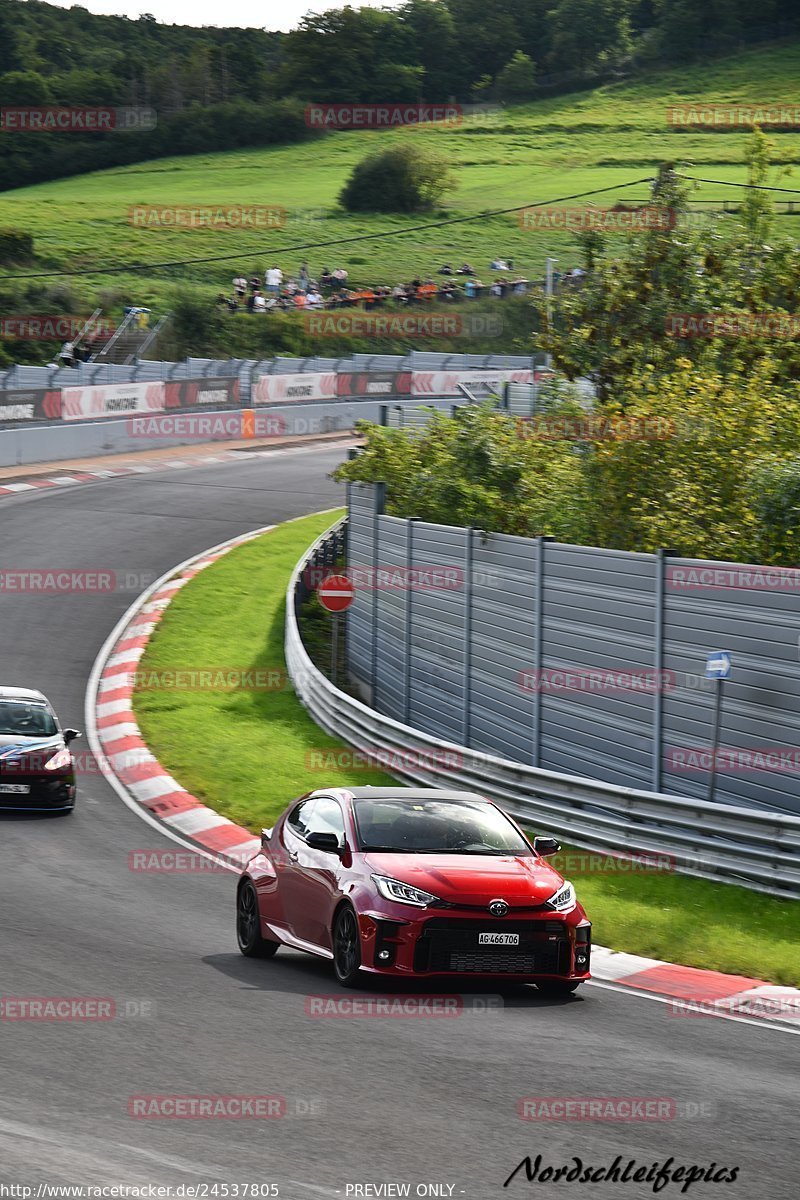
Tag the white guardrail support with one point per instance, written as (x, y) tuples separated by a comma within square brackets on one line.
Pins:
[(750, 847)]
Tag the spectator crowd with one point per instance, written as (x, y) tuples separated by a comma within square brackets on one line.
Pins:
[(330, 291)]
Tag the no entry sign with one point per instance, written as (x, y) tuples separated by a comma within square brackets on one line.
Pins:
[(336, 593)]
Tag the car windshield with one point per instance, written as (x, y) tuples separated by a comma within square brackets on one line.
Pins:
[(436, 827), (25, 718)]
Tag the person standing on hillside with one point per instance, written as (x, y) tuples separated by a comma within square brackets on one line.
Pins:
[(274, 279)]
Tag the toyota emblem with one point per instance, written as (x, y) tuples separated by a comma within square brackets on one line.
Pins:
[(498, 908)]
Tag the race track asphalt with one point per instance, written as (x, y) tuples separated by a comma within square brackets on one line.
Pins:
[(406, 1101)]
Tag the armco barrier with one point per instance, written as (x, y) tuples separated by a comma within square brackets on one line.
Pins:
[(756, 849)]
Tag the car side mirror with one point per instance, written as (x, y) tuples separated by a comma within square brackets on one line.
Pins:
[(546, 846), (329, 842), (70, 735)]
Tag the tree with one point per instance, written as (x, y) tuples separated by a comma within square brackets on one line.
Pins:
[(10, 57), (400, 179), (757, 208), (339, 55), (24, 87), (517, 80), (433, 32), (617, 321), (588, 33)]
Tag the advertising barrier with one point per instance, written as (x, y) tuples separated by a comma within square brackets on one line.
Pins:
[(374, 383), (94, 401), (30, 405), (203, 393), (106, 400), (113, 399), (268, 389), (445, 383)]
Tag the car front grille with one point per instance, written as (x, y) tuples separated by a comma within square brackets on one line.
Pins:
[(450, 945), (510, 963)]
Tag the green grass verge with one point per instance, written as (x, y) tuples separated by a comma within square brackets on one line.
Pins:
[(246, 754)]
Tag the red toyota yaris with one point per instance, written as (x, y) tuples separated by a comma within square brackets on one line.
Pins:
[(410, 883)]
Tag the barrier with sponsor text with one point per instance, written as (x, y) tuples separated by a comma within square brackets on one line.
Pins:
[(446, 383), (115, 399), (373, 383), (37, 404), (313, 385)]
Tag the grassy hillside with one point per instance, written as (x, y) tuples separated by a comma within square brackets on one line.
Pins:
[(542, 151)]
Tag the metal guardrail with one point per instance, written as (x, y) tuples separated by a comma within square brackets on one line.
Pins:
[(750, 847)]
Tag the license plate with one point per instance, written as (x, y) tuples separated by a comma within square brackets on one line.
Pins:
[(498, 939), (15, 789)]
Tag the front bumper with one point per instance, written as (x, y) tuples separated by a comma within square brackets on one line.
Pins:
[(53, 793), (549, 946)]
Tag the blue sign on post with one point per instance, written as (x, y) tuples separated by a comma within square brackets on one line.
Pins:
[(718, 665)]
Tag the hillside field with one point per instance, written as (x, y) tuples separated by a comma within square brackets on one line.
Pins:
[(516, 156)]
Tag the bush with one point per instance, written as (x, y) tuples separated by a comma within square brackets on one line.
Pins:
[(775, 490), (475, 469), (401, 179), (693, 460), (517, 80)]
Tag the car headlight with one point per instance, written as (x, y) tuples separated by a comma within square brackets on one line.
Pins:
[(60, 760), (404, 893), (565, 899)]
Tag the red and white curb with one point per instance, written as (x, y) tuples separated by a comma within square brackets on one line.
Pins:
[(69, 478), (146, 787), (118, 746), (66, 478), (692, 992)]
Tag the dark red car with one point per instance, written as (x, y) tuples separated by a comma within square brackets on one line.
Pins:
[(410, 883), (37, 770)]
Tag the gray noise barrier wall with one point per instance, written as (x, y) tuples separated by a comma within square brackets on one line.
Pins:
[(579, 660)]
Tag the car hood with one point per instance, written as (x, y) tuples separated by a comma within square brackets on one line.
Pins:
[(471, 878), (12, 745)]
